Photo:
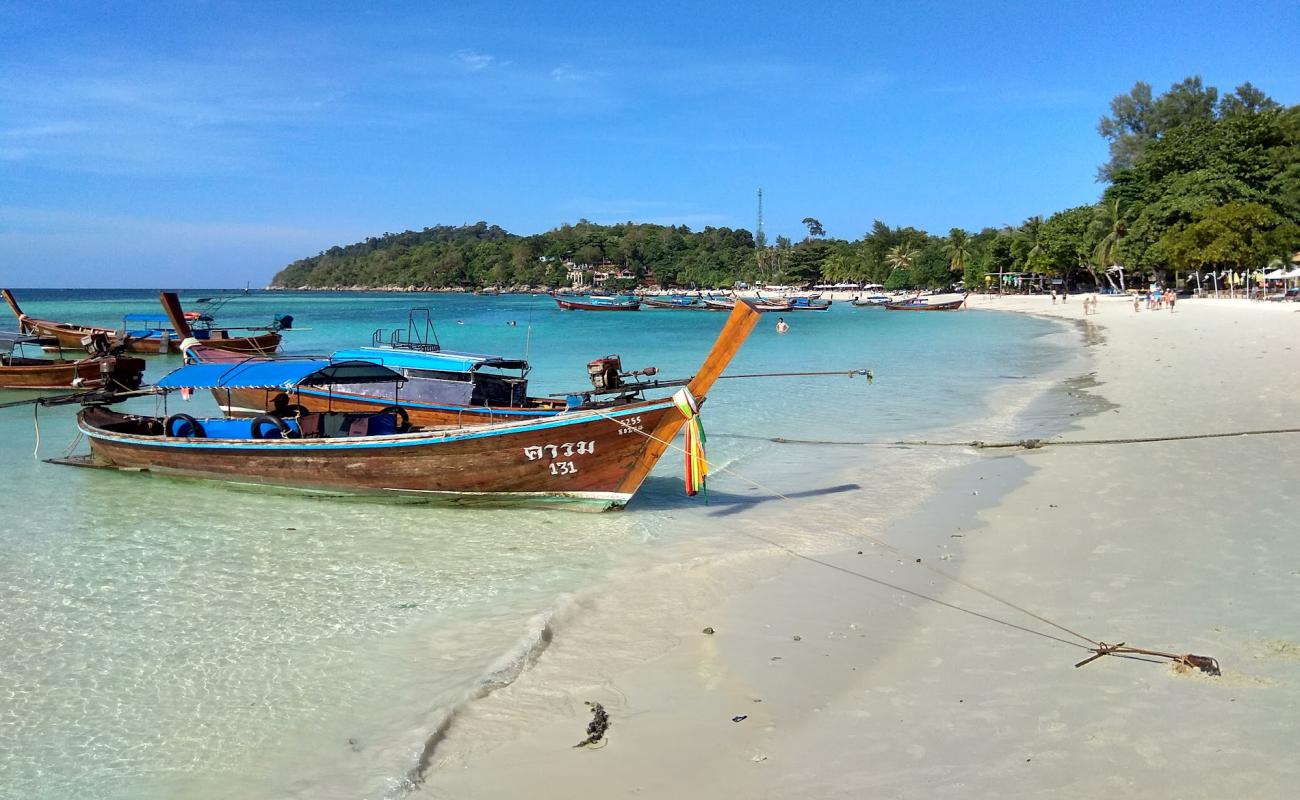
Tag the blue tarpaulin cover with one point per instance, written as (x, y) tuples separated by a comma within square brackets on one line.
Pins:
[(441, 361), (279, 374)]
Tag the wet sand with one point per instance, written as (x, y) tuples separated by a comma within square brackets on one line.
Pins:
[(843, 686)]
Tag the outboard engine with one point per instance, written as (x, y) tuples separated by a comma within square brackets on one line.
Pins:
[(606, 373), (283, 322)]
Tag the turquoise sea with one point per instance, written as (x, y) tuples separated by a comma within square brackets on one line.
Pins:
[(164, 638)]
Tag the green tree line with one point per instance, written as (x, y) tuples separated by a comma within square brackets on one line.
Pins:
[(1195, 180)]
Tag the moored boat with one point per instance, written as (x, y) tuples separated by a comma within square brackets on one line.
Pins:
[(145, 333), (926, 304), (674, 301), (594, 457), (597, 303), (810, 303), (872, 301), (442, 388), (762, 304), (102, 370)]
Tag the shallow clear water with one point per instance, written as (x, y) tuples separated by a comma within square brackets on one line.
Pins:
[(162, 638)]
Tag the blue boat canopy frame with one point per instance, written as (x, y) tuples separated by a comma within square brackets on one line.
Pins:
[(283, 374)]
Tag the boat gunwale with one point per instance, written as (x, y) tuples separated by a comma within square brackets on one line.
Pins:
[(409, 439)]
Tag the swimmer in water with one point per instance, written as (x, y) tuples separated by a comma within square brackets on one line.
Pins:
[(781, 325)]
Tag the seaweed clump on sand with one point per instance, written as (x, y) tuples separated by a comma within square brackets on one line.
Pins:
[(597, 727)]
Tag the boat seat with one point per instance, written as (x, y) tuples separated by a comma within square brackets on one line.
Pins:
[(335, 424), (312, 426)]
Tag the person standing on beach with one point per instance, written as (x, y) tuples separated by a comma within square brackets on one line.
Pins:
[(781, 326), (1053, 297), (1137, 303), (1172, 298)]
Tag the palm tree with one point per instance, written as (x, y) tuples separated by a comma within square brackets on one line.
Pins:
[(958, 248), (901, 256), (1030, 231), (1110, 220)]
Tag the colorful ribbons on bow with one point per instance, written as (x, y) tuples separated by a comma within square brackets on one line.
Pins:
[(697, 468)]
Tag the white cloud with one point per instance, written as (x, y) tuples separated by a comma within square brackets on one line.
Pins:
[(475, 61)]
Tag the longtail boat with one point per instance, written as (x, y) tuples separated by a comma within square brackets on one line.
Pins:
[(442, 387), (141, 333), (675, 301), (872, 301), (924, 304), (808, 304), (597, 303), (763, 305), (102, 370), (592, 458)]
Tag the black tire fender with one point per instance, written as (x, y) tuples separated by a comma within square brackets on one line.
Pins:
[(196, 429), (255, 427), (403, 418)]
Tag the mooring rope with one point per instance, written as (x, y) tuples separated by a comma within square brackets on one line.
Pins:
[(1023, 444), (895, 550), (1098, 648)]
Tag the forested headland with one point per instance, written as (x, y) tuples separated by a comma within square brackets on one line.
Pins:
[(1196, 180)]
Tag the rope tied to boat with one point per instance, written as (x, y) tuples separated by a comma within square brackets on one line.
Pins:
[(697, 466), (1206, 664)]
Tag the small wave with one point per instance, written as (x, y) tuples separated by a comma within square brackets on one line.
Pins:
[(503, 672)]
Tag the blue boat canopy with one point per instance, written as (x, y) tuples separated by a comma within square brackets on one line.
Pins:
[(10, 339), (279, 374), (439, 361)]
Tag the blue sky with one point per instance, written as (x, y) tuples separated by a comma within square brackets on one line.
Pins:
[(209, 144)]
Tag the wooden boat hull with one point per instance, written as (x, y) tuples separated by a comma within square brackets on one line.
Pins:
[(577, 305), (952, 305), (71, 337), (580, 460), (88, 373)]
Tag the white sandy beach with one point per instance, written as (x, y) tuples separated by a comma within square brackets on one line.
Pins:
[(1183, 546)]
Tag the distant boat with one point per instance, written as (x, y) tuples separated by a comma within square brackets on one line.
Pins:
[(810, 303), (598, 303), (761, 304), (675, 301), (148, 333), (926, 304), (872, 301)]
